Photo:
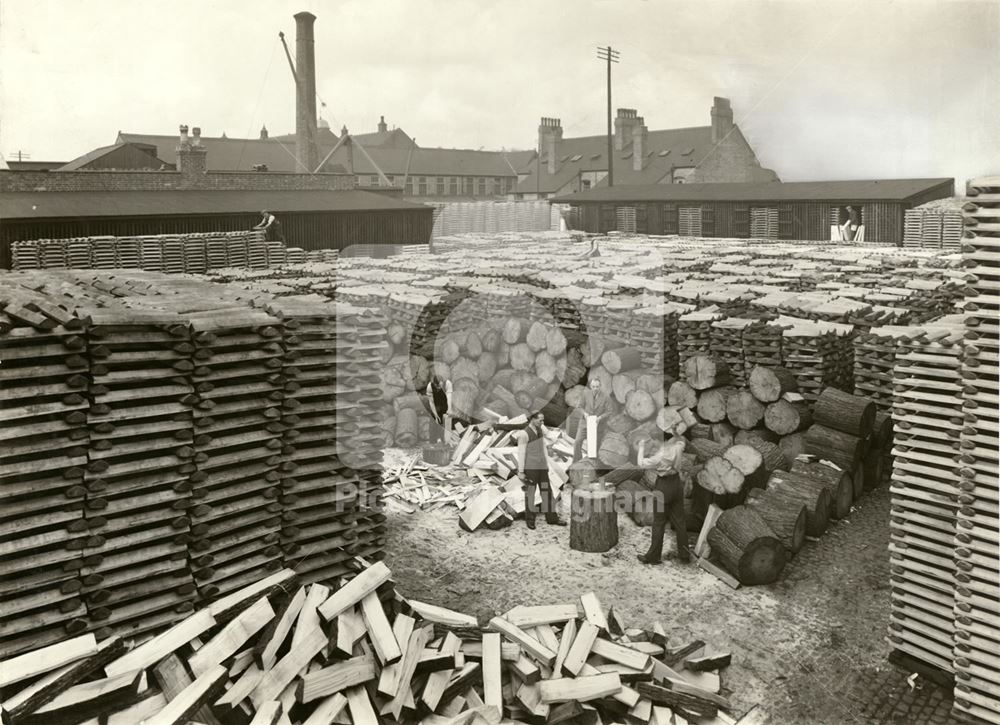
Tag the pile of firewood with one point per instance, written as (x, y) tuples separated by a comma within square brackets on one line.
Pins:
[(278, 651)]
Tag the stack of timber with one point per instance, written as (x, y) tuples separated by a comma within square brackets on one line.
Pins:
[(874, 360), (279, 651), (977, 537), (726, 345), (193, 253), (819, 354), (694, 334), (141, 470), (43, 458), (928, 422)]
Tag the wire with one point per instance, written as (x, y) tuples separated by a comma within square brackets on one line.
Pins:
[(260, 97)]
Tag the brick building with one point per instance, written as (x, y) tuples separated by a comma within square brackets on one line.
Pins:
[(703, 154)]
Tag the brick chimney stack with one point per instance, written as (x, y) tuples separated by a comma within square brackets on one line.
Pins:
[(639, 132), (626, 119), (382, 127), (191, 157), (549, 138), (722, 119), (305, 93), (263, 133)]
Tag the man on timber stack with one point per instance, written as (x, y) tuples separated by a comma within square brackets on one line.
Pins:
[(533, 467), (665, 464), (595, 402)]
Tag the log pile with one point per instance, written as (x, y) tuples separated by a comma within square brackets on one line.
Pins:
[(977, 536), (193, 253), (281, 651), (177, 441)]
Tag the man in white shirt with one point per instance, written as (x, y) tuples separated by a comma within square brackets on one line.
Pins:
[(665, 463)]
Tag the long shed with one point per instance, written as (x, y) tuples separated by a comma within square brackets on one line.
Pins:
[(779, 210), (310, 219)]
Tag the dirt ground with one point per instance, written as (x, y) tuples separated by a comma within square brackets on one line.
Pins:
[(796, 644)]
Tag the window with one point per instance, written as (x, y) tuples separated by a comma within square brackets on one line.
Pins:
[(481, 186), (585, 184), (576, 158), (498, 185), (467, 183), (392, 179), (409, 186), (373, 180), (422, 186), (453, 186)]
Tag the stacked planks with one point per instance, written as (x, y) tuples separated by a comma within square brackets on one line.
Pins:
[(281, 651), (977, 538), (43, 446), (927, 419), (140, 469)]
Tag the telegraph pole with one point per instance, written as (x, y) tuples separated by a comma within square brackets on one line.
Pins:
[(610, 55)]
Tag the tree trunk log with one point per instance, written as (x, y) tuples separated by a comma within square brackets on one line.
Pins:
[(614, 450), (768, 384), (583, 474), (514, 330), (810, 492), (721, 477), (785, 515), (537, 336), (473, 346), (624, 383), (723, 433), (792, 446), (844, 412), (407, 431), (750, 462), (784, 418), (872, 468), (639, 405), (575, 369), (756, 434), (638, 500), (882, 431), (522, 357), (703, 372), (744, 411), (773, 458), (682, 395), (555, 342), (621, 360), (556, 410), (703, 448), (747, 547), (842, 448), (594, 521), (835, 480), (712, 403)]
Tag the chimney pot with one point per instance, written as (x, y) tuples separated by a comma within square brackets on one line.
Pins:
[(625, 121)]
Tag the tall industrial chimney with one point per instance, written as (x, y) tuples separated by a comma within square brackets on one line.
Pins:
[(305, 92)]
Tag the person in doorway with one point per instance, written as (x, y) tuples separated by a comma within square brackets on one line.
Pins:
[(849, 228), (439, 396), (533, 467), (271, 226), (595, 402), (665, 464)]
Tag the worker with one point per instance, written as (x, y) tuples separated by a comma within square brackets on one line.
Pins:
[(271, 227), (669, 501), (594, 402), (439, 396), (532, 467), (594, 251), (849, 228)]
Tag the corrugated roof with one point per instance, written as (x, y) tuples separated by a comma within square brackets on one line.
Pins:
[(56, 204), (845, 191), (81, 161)]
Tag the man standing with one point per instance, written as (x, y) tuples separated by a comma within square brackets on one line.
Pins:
[(595, 403), (665, 463), (533, 467)]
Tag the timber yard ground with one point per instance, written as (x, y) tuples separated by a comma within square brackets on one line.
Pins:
[(809, 649)]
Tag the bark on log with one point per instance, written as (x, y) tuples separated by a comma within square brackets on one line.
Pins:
[(786, 516), (575, 369), (703, 448), (682, 395), (723, 433), (744, 411), (594, 522), (882, 431), (703, 372), (792, 445), (810, 492), (712, 403), (835, 445), (844, 412), (784, 418), (747, 547), (836, 481), (621, 359), (768, 384), (773, 458), (756, 434), (556, 410), (872, 468)]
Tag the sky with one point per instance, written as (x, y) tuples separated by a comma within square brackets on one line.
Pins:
[(823, 89)]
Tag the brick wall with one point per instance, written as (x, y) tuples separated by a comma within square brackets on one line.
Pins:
[(731, 161), (11, 181)]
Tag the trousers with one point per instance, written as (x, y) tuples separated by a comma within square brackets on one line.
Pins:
[(671, 489), (538, 480)]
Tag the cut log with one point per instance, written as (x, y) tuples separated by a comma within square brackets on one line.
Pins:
[(670, 420), (836, 481), (723, 433), (522, 357), (720, 477), (844, 412), (514, 330), (537, 336), (792, 446), (682, 395), (555, 342), (784, 417), (744, 411), (712, 403), (639, 405), (621, 359), (810, 492), (581, 689), (702, 372), (747, 547), (768, 384), (704, 449), (614, 450), (835, 445), (784, 515), (773, 458), (882, 431), (594, 521)]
